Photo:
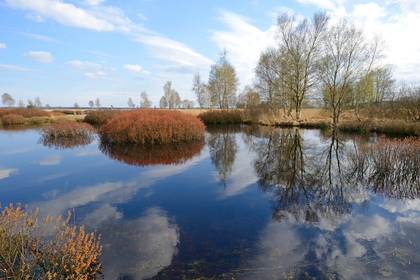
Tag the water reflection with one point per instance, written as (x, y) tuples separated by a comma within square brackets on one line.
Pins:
[(144, 155), (223, 149), (139, 248), (65, 143)]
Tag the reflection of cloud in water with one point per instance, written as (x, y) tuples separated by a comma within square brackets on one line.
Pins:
[(110, 192), (138, 248), (5, 173), (53, 159), (242, 175)]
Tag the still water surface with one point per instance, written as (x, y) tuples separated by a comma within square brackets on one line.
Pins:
[(246, 203)]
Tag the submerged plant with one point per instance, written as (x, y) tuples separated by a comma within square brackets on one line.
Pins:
[(151, 126), (51, 249)]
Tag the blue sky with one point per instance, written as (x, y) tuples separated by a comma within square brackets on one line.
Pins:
[(78, 50)]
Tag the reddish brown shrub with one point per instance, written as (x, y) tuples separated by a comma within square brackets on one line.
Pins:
[(151, 126), (25, 112), (66, 130), (101, 116), (12, 119)]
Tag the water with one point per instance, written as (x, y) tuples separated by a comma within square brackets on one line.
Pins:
[(248, 203)]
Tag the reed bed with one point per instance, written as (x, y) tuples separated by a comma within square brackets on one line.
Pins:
[(222, 117), (151, 126)]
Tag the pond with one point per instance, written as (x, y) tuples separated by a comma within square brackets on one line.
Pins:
[(246, 203)]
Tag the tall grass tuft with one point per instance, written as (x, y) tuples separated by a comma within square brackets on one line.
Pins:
[(151, 126), (67, 130), (51, 249), (389, 164), (12, 119), (221, 117)]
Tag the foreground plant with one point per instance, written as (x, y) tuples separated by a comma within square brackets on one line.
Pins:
[(51, 249), (151, 126)]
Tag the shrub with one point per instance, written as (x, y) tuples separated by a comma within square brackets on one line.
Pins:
[(151, 126), (67, 130), (145, 155), (37, 120), (52, 249), (100, 116), (12, 119), (65, 143), (25, 112), (221, 117)]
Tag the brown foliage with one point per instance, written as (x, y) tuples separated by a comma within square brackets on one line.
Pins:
[(25, 112), (51, 249), (151, 126), (12, 119)]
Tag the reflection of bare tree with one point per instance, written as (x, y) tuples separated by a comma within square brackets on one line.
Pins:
[(144, 155), (65, 143), (223, 149), (305, 184)]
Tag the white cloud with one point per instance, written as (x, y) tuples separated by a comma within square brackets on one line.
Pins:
[(5, 173), (36, 18), (134, 68), (180, 56), (41, 56), (100, 73), (66, 14), (14, 67), (322, 4), (2, 45), (86, 65), (141, 16), (244, 44), (93, 2)]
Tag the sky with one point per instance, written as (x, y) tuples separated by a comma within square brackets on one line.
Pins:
[(68, 51)]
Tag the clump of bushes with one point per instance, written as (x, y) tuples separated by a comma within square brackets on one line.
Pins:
[(67, 130), (382, 126), (25, 112), (221, 117), (151, 126), (100, 117), (12, 119), (37, 120), (51, 249)]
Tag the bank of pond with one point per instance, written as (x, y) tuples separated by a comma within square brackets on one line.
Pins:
[(242, 202)]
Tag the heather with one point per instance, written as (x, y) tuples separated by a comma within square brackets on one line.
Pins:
[(67, 130), (47, 249), (100, 117), (151, 126), (145, 155), (12, 119), (25, 112), (221, 117)]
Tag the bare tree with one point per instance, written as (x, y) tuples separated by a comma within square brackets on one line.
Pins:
[(97, 103), (21, 104), (223, 83), (37, 102), (201, 92), (187, 104), (145, 102), (130, 103), (76, 106), (7, 99), (300, 48), (170, 97), (347, 56), (91, 104)]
